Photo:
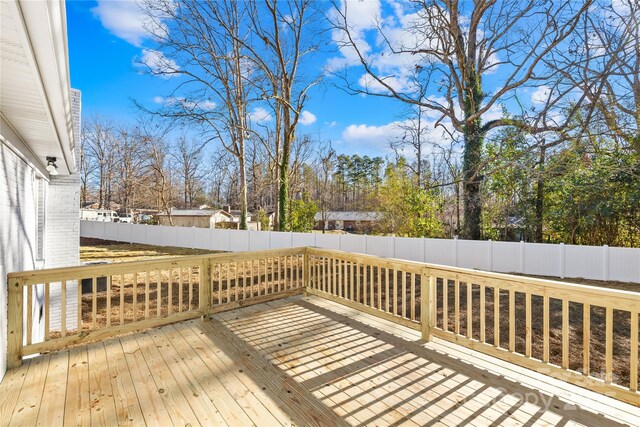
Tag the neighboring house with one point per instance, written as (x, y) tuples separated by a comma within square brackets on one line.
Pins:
[(204, 218), (39, 122), (360, 222), (201, 218)]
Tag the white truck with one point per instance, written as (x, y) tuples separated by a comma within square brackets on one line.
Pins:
[(103, 215)]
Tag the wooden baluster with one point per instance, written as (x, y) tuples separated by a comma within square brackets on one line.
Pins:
[(340, 281), (387, 292), (379, 288), (586, 339), (63, 308), (159, 292), (512, 320), (146, 294), (135, 296), (180, 291), (108, 279), (79, 302), (122, 277), (608, 358), (251, 273), (633, 359), (394, 293), (469, 310), (236, 277), (496, 317), (190, 281), (483, 313), (456, 308), (565, 333), (527, 307), (545, 329), (365, 284), (47, 321), (445, 304), (413, 295), (94, 302), (404, 294), (170, 292), (29, 313), (279, 271), (356, 273)]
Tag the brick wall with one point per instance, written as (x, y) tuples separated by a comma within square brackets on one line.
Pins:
[(62, 241)]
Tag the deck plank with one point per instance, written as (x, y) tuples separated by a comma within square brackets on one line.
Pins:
[(30, 398), (151, 404), (177, 405), (204, 409), (125, 398), (11, 386), (103, 409), (77, 406), (195, 358), (55, 389)]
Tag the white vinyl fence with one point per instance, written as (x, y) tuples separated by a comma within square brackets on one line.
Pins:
[(560, 260)]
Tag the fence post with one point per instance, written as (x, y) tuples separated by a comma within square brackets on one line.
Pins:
[(204, 290), (605, 262), (15, 317), (562, 260), (427, 282), (522, 256), (490, 255), (455, 251)]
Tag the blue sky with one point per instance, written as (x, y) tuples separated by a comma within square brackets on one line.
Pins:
[(104, 52), (107, 41)]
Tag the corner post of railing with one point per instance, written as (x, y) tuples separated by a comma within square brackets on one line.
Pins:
[(204, 290), (427, 284), (306, 271), (15, 307)]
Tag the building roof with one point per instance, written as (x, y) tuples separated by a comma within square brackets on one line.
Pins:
[(36, 100), (349, 216), (195, 212)]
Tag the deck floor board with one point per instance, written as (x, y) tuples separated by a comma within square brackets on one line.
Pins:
[(296, 361)]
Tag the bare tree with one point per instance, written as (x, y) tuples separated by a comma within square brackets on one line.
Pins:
[(282, 39), (100, 148), (201, 41), (188, 156), (450, 48)]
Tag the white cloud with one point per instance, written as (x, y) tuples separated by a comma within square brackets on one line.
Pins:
[(540, 95), (124, 19), (260, 115), (307, 118), (158, 64), (372, 134)]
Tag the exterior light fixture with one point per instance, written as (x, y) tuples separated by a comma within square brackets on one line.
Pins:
[(52, 168)]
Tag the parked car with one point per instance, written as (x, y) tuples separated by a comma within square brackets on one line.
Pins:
[(126, 218), (103, 215)]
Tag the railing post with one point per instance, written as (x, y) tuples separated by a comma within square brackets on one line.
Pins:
[(427, 282), (306, 272), (204, 290), (15, 318)]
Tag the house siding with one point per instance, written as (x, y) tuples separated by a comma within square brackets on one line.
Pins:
[(18, 225)]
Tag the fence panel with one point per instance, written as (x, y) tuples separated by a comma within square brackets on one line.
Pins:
[(591, 262)]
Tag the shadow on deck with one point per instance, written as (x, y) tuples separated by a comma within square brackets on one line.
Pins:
[(302, 361)]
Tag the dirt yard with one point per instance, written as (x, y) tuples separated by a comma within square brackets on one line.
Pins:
[(107, 250)]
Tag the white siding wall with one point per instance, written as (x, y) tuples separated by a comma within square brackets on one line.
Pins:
[(18, 196)]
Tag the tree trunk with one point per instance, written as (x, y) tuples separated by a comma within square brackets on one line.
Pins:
[(472, 203), (283, 191), (540, 196)]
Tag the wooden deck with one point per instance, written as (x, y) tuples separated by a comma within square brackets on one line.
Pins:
[(302, 361)]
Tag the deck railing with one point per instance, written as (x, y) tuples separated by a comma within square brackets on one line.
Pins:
[(535, 323), (55, 308), (581, 334)]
